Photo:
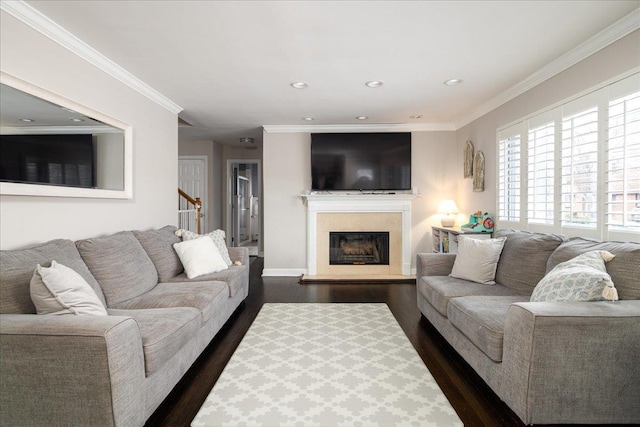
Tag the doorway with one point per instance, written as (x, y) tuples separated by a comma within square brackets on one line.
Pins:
[(192, 179), (243, 213)]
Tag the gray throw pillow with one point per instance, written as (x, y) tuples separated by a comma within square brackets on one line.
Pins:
[(477, 259)]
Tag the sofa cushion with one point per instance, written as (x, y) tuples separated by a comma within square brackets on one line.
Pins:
[(481, 319), (207, 297), (438, 290), (477, 259), (159, 246), (524, 258), (623, 269), (234, 277), (60, 290), (16, 271), (120, 265), (582, 278), (164, 332)]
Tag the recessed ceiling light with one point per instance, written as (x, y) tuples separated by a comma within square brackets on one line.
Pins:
[(362, 117), (298, 85), (247, 140), (374, 83), (453, 82), (416, 116), (76, 120), (308, 118), (26, 120)]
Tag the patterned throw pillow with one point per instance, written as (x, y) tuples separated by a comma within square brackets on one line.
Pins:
[(218, 237), (583, 278)]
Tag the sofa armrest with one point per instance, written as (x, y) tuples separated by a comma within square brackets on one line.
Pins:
[(432, 264), (76, 370), (239, 254), (573, 362)]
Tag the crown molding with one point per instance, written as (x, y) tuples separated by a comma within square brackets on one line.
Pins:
[(44, 25), (609, 35), (57, 130), (384, 127)]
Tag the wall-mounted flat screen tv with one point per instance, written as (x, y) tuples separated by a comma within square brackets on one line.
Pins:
[(66, 160), (361, 161)]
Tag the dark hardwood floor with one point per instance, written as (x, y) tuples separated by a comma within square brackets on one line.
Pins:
[(472, 399)]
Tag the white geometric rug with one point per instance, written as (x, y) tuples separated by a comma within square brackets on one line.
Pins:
[(326, 365)]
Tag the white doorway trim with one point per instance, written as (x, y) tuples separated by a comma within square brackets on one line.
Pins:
[(204, 197), (229, 199)]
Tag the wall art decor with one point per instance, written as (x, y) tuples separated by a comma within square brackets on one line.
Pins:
[(478, 171), (468, 159)]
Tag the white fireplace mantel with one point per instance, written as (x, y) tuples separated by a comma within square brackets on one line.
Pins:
[(356, 203)]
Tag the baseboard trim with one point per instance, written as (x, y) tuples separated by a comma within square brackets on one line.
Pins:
[(294, 272), (286, 272), (323, 280)]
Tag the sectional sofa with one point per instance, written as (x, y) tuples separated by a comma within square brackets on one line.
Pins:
[(114, 369), (551, 362)]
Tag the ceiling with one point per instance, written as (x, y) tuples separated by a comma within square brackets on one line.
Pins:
[(229, 64)]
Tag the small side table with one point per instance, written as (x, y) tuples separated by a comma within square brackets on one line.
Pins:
[(445, 239)]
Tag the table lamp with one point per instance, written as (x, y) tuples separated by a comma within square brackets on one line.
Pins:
[(448, 209)]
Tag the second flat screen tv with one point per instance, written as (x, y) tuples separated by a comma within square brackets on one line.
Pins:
[(361, 161)]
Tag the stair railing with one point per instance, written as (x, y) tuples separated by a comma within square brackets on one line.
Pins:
[(189, 211)]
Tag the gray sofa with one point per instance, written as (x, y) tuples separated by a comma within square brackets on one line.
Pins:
[(550, 362), (115, 369)]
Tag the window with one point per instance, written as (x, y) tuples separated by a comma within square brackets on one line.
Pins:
[(580, 169), (540, 179), (509, 178), (623, 182), (575, 168)]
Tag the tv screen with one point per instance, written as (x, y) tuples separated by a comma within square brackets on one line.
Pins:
[(65, 160), (361, 161)]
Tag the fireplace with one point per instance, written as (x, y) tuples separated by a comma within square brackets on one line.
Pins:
[(359, 248), (359, 214)]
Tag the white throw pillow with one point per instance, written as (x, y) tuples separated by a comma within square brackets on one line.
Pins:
[(61, 290), (199, 256), (583, 278), (218, 237), (477, 259)]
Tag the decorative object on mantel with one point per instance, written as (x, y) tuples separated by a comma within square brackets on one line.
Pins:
[(448, 209), (468, 159), (478, 171)]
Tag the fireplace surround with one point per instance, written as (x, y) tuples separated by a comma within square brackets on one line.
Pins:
[(389, 213)]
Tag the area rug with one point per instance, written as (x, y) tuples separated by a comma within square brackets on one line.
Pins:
[(326, 365)]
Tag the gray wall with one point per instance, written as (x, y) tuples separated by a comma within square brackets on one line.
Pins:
[(610, 62), (26, 220), (287, 173)]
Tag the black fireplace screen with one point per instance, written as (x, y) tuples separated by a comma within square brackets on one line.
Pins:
[(358, 248)]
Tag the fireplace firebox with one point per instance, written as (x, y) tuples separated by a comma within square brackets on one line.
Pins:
[(358, 248)]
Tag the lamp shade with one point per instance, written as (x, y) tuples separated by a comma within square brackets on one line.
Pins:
[(448, 209)]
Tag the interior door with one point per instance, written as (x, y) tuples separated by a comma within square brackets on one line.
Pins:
[(192, 178), (242, 210)]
